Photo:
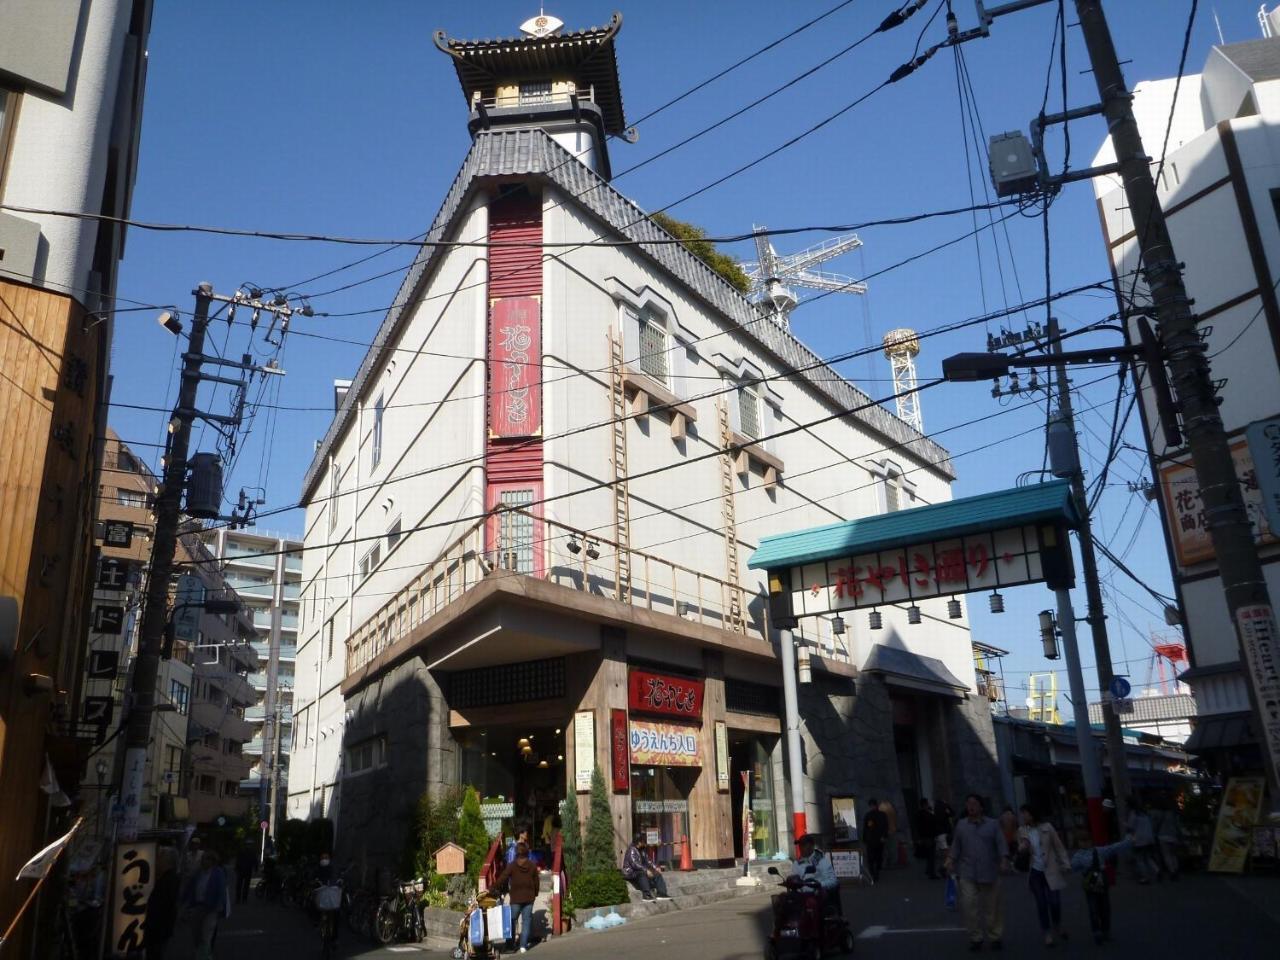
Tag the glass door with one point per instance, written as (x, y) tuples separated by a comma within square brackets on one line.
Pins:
[(660, 808)]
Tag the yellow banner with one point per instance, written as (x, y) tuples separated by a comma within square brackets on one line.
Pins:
[(664, 744), (1236, 817)]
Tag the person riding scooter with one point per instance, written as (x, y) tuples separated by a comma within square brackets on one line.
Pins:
[(814, 864)]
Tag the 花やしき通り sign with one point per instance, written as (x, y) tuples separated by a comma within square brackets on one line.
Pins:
[(666, 695), (982, 561), (664, 744)]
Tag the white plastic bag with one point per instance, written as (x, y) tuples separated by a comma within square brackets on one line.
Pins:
[(329, 897)]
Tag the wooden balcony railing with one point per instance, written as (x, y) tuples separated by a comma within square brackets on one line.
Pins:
[(654, 583)]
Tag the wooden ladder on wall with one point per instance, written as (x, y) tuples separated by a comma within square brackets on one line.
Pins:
[(734, 619), (621, 501)]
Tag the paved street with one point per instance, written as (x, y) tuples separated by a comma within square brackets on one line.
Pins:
[(1201, 917)]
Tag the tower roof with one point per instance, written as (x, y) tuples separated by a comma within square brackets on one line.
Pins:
[(588, 57)]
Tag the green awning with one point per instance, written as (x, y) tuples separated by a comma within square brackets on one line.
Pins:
[(1036, 503)]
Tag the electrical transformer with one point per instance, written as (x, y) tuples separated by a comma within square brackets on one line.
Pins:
[(1013, 164), (204, 488)]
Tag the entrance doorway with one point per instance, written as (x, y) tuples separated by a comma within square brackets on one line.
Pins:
[(519, 773), (660, 808), (752, 755)]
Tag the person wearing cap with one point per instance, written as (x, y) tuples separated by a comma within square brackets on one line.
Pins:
[(814, 864)]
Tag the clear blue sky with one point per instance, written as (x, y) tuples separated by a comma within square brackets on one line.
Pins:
[(333, 117)]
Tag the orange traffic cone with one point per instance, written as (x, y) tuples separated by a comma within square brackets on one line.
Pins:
[(686, 860)]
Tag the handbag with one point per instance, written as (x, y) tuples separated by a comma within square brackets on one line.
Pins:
[(950, 893), (1022, 859)]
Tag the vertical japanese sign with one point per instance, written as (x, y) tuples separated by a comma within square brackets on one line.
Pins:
[(619, 751), (131, 882), (748, 819), (515, 367), (187, 609), (1188, 525), (722, 756), (1264, 447), (584, 749)]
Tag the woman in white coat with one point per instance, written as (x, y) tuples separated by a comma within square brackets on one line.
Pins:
[(1049, 867)]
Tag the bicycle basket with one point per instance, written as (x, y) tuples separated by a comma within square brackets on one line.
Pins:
[(329, 898)]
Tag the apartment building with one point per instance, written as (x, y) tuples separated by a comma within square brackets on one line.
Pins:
[(266, 572), (528, 525)]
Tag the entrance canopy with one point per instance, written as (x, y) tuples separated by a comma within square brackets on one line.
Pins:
[(993, 540)]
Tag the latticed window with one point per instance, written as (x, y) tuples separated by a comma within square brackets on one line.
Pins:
[(749, 412), (653, 349), (515, 532), (892, 491), (535, 91)]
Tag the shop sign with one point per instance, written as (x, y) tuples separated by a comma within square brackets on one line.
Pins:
[(664, 744), (667, 695), (847, 863), (662, 806), (117, 533), (132, 882), (114, 574), (515, 403), (1264, 446), (619, 751), (983, 561), (722, 756), (1261, 646), (1188, 525), (1236, 818), (748, 819), (584, 749)]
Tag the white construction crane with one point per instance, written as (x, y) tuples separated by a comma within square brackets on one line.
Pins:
[(773, 276), (902, 346)]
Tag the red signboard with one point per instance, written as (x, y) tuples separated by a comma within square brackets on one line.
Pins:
[(515, 368), (669, 696), (620, 751)]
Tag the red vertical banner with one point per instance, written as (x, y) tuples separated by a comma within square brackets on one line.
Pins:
[(515, 367), (620, 750)]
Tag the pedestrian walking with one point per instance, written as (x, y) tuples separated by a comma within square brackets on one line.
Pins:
[(875, 828), (979, 855), (926, 830), (1167, 825), (521, 879), (162, 905), (1140, 831), (205, 900), (246, 863), (1048, 868)]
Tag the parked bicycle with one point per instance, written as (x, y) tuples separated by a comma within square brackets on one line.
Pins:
[(399, 916)]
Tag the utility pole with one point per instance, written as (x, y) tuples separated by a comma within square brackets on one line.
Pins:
[(155, 609), (270, 703), (1242, 577), (1090, 770), (1096, 617), (275, 772)]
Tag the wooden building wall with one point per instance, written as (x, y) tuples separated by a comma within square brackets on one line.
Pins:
[(52, 358)]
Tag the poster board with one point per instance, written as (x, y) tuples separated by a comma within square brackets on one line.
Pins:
[(722, 756), (1237, 816), (844, 818), (132, 880), (584, 749), (847, 864)]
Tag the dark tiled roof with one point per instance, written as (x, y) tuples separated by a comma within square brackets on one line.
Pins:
[(1176, 706), (1259, 60), (588, 56), (913, 670), (531, 151)]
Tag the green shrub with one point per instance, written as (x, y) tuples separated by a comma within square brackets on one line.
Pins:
[(571, 831), (598, 856), (598, 889), (459, 891), (696, 242), (434, 822), (472, 835)]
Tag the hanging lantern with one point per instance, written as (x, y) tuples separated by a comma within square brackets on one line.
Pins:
[(953, 608), (913, 614), (997, 603), (875, 620)]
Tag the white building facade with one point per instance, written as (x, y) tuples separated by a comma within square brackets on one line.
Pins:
[(527, 527), (1220, 189)]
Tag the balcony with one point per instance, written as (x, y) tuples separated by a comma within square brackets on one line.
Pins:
[(628, 576), (234, 685), (216, 718)]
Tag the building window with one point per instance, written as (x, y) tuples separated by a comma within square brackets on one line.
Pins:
[(179, 696), (892, 491), (393, 534), (367, 755), (369, 562), (749, 412), (333, 499), (328, 638), (535, 91), (515, 531), (653, 347), (376, 453), (205, 783), (8, 120), (130, 498)]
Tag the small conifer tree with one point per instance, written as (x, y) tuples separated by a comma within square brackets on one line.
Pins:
[(598, 845), (571, 831)]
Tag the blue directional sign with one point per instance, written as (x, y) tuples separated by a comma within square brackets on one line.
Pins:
[(1120, 688)]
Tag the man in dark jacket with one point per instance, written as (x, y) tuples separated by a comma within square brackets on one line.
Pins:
[(641, 873), (246, 863), (926, 830), (875, 827)]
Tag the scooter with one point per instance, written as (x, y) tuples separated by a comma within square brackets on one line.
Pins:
[(801, 928)]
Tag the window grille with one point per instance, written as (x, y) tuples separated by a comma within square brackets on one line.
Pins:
[(749, 412), (507, 683), (743, 696), (515, 534), (653, 350), (535, 91), (376, 454), (892, 492)]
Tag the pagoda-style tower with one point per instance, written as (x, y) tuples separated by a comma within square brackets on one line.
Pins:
[(564, 83)]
